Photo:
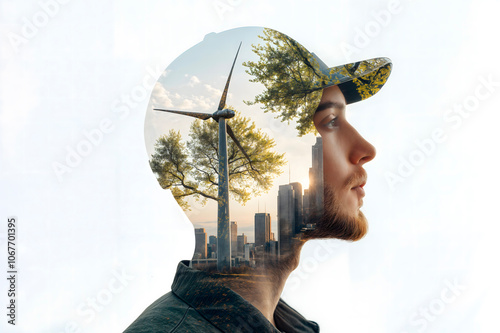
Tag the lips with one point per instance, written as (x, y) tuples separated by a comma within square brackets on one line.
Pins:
[(359, 190), (357, 183)]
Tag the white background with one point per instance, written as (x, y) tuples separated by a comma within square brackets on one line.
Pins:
[(71, 68)]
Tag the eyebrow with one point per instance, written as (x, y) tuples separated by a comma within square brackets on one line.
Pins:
[(333, 105)]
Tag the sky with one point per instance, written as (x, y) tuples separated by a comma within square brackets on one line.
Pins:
[(98, 240)]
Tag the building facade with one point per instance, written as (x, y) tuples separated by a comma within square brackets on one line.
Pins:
[(201, 243), (262, 228), (234, 239)]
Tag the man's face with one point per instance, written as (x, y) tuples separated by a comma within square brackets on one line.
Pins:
[(344, 154)]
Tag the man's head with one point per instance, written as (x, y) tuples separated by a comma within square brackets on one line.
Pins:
[(344, 154), (279, 180)]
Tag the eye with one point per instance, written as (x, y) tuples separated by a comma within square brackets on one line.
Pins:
[(330, 123)]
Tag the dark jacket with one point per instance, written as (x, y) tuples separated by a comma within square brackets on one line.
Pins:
[(197, 303)]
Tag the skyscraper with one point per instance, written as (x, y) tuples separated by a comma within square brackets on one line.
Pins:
[(297, 209), (286, 217), (212, 247), (234, 239), (242, 240), (315, 192), (262, 228), (306, 206), (201, 242), (248, 251)]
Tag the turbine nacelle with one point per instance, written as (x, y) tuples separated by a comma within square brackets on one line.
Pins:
[(226, 113)]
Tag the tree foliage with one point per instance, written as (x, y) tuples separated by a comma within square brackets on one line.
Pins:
[(370, 75), (191, 168), (290, 76)]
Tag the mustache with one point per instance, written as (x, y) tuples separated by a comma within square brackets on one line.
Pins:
[(356, 179)]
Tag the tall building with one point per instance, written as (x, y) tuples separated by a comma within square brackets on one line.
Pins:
[(212, 247), (297, 188), (286, 217), (306, 207), (262, 228), (248, 251), (273, 248), (201, 243), (314, 195), (242, 240), (234, 239)]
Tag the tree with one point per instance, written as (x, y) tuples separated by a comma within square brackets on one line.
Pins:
[(291, 78), (191, 168)]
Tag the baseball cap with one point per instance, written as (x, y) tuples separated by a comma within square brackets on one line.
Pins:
[(357, 81)]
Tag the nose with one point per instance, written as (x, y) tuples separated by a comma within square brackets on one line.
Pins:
[(362, 151)]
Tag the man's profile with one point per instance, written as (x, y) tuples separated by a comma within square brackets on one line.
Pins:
[(279, 97), (344, 153)]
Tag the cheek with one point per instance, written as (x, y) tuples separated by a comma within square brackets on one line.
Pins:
[(334, 165)]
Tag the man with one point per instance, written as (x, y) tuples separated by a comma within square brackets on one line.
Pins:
[(298, 86)]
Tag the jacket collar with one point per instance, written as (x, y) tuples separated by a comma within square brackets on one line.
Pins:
[(227, 310)]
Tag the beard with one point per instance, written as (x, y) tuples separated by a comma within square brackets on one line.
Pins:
[(334, 223)]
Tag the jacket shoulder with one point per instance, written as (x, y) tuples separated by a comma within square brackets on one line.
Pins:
[(170, 314)]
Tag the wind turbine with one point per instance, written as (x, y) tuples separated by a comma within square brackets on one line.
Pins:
[(220, 116)]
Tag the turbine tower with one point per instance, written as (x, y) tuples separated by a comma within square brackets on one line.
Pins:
[(220, 116)]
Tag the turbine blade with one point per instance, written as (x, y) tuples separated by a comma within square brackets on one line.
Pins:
[(224, 93), (231, 134), (199, 115)]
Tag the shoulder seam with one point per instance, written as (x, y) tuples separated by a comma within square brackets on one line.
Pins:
[(180, 321), (195, 310)]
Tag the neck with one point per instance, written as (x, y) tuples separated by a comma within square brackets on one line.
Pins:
[(264, 286)]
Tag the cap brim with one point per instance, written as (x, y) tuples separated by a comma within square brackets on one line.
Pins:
[(357, 81)]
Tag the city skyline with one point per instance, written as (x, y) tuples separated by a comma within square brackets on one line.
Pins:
[(295, 206), (312, 197)]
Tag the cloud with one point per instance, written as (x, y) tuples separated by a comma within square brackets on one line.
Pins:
[(193, 96), (160, 97), (194, 81), (187, 104), (165, 73), (204, 103), (212, 90), (197, 103)]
